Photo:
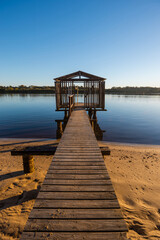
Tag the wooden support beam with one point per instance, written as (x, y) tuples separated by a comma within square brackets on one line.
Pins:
[(61, 120), (77, 196), (71, 104), (105, 151), (40, 150), (28, 163), (47, 150)]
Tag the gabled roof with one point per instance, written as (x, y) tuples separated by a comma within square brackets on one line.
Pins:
[(79, 75)]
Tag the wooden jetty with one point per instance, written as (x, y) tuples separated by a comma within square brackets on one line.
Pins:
[(77, 199)]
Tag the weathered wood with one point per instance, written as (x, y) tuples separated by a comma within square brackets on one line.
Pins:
[(76, 225), (64, 151), (80, 154), (38, 150), (77, 199), (71, 171), (76, 195), (88, 76), (76, 188), (105, 151), (77, 167), (75, 163), (28, 163), (77, 182), (76, 214), (74, 235), (77, 176), (71, 104), (78, 159), (80, 151)]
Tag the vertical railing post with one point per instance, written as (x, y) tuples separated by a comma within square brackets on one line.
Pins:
[(70, 105)]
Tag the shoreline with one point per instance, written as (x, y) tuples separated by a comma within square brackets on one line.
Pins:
[(99, 142), (36, 92), (134, 171), (131, 144)]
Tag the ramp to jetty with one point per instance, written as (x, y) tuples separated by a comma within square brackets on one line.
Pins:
[(77, 199)]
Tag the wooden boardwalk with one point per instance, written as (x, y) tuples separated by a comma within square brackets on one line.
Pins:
[(77, 199)]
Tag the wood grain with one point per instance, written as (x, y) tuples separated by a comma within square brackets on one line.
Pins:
[(74, 235), (77, 199)]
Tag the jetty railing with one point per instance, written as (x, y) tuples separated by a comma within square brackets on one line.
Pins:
[(71, 104)]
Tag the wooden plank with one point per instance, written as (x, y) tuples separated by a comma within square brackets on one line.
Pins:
[(77, 176), (79, 140), (70, 156), (76, 214), (75, 163), (51, 150), (74, 235), (83, 152), (77, 182), (71, 171), (89, 153), (39, 203), (77, 148), (69, 159), (76, 188), (66, 154), (52, 167), (76, 152), (76, 195), (76, 144), (77, 199), (75, 225)]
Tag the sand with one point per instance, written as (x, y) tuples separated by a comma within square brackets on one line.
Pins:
[(18, 190), (134, 171), (135, 174)]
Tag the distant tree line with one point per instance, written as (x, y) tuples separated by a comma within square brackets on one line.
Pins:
[(50, 89), (25, 89), (133, 90)]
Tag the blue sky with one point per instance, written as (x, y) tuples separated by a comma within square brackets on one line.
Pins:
[(44, 39)]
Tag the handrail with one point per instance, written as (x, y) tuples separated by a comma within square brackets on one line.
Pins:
[(71, 104)]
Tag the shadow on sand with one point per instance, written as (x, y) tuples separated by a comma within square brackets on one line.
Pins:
[(30, 141), (19, 199), (11, 175)]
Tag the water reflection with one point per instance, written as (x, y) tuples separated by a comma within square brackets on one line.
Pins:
[(133, 118), (61, 124)]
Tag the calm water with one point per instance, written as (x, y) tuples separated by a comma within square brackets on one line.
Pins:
[(129, 119)]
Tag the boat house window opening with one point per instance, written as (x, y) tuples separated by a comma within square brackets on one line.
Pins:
[(87, 88)]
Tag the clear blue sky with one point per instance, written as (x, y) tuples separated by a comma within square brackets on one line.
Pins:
[(44, 39)]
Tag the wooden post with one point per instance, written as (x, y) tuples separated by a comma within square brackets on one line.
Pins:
[(60, 127), (59, 131), (70, 103), (77, 94), (93, 125), (28, 163), (90, 113), (94, 114), (65, 114)]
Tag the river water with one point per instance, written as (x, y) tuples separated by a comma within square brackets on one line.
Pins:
[(128, 119)]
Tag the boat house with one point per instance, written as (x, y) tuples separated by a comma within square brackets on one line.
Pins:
[(93, 87)]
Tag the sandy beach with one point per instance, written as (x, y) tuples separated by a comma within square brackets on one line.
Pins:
[(134, 171), (135, 174)]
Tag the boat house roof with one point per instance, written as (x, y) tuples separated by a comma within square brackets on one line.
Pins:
[(79, 76)]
